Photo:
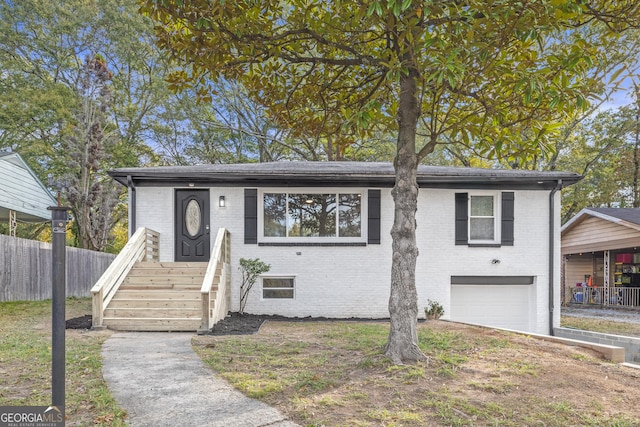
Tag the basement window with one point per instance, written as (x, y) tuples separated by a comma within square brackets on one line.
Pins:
[(278, 287)]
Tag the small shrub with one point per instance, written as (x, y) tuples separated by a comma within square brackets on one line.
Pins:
[(433, 310), (251, 269)]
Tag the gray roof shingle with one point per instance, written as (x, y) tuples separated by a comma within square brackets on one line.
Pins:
[(626, 214), (334, 173)]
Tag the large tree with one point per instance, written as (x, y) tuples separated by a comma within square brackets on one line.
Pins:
[(45, 103), (494, 75)]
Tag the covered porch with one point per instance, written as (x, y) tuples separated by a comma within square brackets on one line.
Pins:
[(585, 279), (601, 258)]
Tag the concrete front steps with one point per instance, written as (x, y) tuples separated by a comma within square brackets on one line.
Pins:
[(158, 296)]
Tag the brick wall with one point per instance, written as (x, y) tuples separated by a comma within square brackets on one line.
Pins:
[(354, 281)]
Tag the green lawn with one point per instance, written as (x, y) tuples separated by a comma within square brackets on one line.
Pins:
[(25, 363)]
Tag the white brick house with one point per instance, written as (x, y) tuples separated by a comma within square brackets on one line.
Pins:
[(488, 240)]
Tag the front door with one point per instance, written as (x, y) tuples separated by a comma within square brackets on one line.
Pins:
[(192, 225)]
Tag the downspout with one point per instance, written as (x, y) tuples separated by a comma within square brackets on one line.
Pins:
[(132, 206), (552, 254)]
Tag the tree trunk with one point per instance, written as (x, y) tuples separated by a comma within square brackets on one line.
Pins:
[(402, 345)]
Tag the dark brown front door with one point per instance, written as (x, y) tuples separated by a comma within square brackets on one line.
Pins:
[(192, 225)]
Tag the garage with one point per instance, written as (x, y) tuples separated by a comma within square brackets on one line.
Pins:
[(498, 301)]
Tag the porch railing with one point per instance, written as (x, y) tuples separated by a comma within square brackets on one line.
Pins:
[(142, 246), (612, 296), (215, 303)]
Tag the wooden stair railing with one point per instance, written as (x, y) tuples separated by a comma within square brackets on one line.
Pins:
[(142, 246), (216, 302)]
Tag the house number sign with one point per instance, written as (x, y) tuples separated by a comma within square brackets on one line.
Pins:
[(192, 218)]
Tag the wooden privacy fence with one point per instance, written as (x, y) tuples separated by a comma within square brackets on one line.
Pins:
[(25, 269)]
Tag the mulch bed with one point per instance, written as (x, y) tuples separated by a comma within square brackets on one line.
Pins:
[(82, 322), (244, 324), (233, 324), (238, 324)]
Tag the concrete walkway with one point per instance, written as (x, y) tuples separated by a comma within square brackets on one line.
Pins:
[(160, 381)]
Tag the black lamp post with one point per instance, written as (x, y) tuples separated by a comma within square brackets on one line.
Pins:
[(58, 243), (59, 218)]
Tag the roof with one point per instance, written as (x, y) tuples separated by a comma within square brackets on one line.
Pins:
[(303, 173), (628, 217), (21, 191)]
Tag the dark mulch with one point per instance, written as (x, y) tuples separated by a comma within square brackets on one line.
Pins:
[(82, 322), (238, 324), (244, 324), (233, 324)]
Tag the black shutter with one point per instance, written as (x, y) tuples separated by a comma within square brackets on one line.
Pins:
[(462, 214), (374, 217), (507, 218), (250, 216)]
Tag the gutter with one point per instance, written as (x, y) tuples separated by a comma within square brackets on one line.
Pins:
[(132, 206), (552, 214)]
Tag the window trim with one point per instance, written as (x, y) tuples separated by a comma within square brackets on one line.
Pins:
[(321, 190), (277, 276), (497, 218)]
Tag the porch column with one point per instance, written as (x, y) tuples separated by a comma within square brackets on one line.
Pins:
[(13, 223), (607, 273)]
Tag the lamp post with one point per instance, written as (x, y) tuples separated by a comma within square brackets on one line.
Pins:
[(58, 269)]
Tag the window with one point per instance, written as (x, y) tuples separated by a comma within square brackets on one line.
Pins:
[(265, 215), (312, 215), (277, 287), (484, 218)]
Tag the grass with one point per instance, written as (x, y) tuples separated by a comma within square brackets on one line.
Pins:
[(25, 363), (599, 325), (334, 374)]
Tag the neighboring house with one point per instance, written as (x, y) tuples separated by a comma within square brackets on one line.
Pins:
[(489, 240), (23, 198), (601, 248)]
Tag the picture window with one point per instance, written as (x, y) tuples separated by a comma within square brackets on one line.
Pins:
[(312, 215)]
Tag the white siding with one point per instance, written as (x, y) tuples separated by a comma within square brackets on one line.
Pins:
[(22, 192), (354, 281), (440, 258)]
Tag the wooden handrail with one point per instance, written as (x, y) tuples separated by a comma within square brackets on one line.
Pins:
[(218, 268), (142, 246)]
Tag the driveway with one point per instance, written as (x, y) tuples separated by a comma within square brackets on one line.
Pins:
[(597, 312)]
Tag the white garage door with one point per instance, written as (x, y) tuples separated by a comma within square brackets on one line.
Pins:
[(504, 302)]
